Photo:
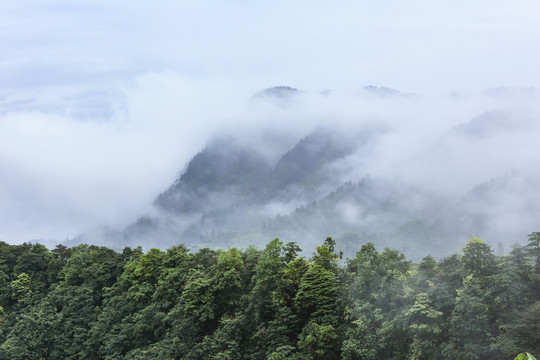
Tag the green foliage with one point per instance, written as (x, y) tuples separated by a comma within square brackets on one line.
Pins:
[(524, 329), (318, 342), (525, 356), (424, 326), (469, 326), (90, 302), (533, 249), (478, 258), (316, 296), (32, 336), (20, 288), (362, 340), (282, 353), (325, 256)]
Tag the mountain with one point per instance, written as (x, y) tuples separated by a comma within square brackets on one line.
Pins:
[(492, 123), (232, 193), (221, 174), (229, 190), (225, 173), (282, 96), (504, 208), (384, 92), (305, 166)]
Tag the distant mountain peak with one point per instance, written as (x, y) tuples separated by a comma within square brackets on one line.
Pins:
[(281, 96), (384, 92), (494, 122), (278, 92), (221, 166)]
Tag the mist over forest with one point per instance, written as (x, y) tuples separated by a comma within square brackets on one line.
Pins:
[(397, 169), (269, 180), (403, 170), (218, 124)]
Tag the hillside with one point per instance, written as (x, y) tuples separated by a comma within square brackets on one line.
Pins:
[(232, 193)]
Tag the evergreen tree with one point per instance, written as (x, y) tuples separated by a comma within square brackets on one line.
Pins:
[(533, 249), (90, 302)]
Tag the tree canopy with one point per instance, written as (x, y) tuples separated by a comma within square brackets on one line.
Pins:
[(89, 302)]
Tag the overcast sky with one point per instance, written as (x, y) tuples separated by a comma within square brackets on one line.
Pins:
[(103, 102)]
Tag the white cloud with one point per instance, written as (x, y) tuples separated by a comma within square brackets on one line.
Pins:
[(101, 103)]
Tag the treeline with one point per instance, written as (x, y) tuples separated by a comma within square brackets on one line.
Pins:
[(89, 302)]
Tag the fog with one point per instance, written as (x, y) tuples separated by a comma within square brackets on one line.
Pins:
[(103, 105)]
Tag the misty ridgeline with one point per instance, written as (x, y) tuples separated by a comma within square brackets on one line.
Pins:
[(365, 181), (220, 289)]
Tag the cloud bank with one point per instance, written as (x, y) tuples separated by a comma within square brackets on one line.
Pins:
[(102, 104)]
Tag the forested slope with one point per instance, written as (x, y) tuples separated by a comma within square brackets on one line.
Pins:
[(89, 302), (336, 181)]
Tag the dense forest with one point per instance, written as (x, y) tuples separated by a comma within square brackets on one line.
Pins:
[(90, 302)]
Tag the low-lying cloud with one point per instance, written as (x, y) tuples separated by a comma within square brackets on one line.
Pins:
[(102, 104)]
